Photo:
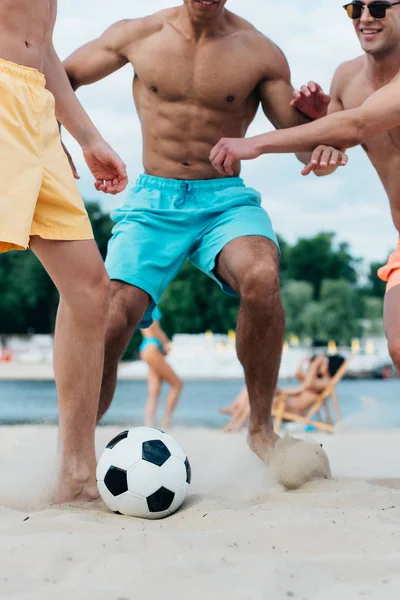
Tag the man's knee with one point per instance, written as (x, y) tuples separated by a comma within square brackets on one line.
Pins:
[(259, 285), (128, 304)]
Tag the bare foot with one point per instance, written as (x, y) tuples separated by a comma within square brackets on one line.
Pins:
[(76, 487), (262, 442)]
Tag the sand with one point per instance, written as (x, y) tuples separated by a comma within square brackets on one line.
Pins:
[(240, 536)]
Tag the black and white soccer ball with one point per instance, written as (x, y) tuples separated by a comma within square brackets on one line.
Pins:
[(143, 473)]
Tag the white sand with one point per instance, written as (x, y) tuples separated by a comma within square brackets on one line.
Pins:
[(239, 537)]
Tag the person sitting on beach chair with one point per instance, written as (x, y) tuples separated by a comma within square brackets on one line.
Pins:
[(319, 374), (307, 408), (313, 381)]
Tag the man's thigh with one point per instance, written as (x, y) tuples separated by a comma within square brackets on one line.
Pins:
[(74, 266), (238, 239), (249, 257), (146, 254)]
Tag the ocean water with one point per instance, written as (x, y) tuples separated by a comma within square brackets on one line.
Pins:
[(366, 404)]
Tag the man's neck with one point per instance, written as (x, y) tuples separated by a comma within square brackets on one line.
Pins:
[(384, 68), (200, 29)]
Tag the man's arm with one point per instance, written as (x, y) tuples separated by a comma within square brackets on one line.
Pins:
[(345, 129), (286, 108), (105, 164), (69, 111), (276, 92), (325, 159), (279, 101), (101, 57), (299, 139)]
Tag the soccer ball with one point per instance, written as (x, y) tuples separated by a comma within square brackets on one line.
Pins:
[(143, 473)]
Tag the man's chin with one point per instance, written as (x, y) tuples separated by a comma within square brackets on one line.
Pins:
[(373, 48)]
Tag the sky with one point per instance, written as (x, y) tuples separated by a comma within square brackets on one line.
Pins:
[(316, 37)]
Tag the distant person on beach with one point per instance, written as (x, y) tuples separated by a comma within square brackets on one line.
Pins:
[(153, 350), (364, 109), (40, 207), (314, 374), (200, 72)]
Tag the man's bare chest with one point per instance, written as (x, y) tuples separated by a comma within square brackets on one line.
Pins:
[(215, 75)]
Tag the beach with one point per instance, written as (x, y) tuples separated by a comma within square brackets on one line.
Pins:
[(239, 536)]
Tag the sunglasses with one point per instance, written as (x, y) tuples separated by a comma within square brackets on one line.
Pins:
[(377, 9)]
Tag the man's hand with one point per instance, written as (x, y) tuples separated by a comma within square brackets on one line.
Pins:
[(71, 162), (106, 166), (311, 100), (229, 150), (324, 158)]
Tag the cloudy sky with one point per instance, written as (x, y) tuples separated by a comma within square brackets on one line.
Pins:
[(316, 37)]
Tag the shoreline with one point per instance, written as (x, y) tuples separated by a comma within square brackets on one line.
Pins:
[(137, 371), (45, 372)]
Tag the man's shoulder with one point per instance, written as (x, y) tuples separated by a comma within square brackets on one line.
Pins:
[(249, 33), (259, 44), (346, 70), (133, 30)]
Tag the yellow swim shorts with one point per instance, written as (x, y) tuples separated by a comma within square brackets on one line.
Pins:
[(38, 193), (391, 271)]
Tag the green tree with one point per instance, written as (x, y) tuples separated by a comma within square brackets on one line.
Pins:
[(296, 296), (376, 287), (193, 303), (315, 259), (102, 226), (373, 316), (284, 259), (342, 309), (313, 322), (28, 299)]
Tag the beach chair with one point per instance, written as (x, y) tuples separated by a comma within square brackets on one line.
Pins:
[(314, 416)]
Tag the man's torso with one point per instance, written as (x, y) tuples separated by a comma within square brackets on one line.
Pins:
[(24, 24), (190, 95), (383, 150)]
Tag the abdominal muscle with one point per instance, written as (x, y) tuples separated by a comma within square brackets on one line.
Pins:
[(23, 27), (179, 136)]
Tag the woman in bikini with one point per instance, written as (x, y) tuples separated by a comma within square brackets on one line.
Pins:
[(153, 350)]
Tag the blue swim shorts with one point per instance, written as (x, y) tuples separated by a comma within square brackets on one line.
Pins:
[(166, 221)]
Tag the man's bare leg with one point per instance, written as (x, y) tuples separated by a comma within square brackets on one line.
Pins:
[(78, 272), (392, 324), (250, 265), (128, 305)]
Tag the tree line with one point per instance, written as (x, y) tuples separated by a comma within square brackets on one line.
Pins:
[(321, 292)]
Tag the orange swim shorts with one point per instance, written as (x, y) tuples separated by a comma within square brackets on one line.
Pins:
[(391, 272), (38, 193)]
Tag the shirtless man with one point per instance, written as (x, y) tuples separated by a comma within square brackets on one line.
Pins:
[(200, 72), (40, 206), (365, 109)]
